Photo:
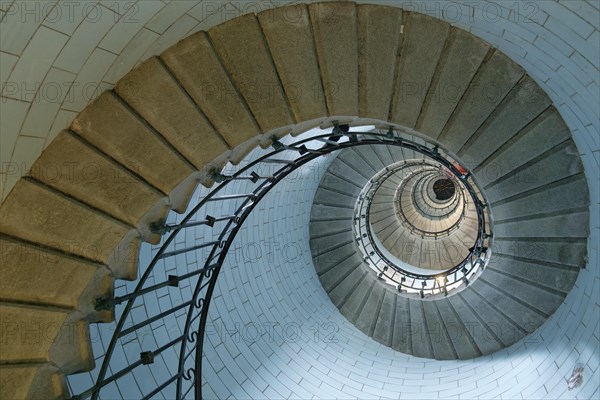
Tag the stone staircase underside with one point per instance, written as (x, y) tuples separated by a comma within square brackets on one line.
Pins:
[(76, 222), (513, 296), (400, 230)]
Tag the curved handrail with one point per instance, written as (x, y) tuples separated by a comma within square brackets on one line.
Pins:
[(473, 262), (194, 328)]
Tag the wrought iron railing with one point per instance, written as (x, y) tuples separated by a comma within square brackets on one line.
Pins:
[(185, 347), (390, 269), (419, 202)]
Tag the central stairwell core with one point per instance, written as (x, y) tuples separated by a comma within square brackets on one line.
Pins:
[(413, 242), (413, 226), (444, 189), (402, 237)]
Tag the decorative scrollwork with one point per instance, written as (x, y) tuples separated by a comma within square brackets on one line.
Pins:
[(199, 303), (191, 341), (189, 374)]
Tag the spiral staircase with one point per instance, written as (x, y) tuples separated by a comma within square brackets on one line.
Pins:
[(75, 224), (504, 302)]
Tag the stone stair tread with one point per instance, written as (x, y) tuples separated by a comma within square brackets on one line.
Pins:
[(462, 341), (69, 222), (237, 41), (195, 64), (454, 74), (443, 348), (140, 148), (296, 65), (385, 319), (339, 69), (421, 342), (160, 100), (31, 274), (331, 278), (109, 187), (521, 106), (486, 341), (367, 318), (357, 299), (321, 211), (473, 109), (343, 290), (379, 41), (324, 260), (545, 132), (423, 44)]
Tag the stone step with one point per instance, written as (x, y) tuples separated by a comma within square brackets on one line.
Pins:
[(541, 298), (458, 333), (491, 323), (327, 243), (395, 238), (550, 278), (443, 347), (352, 160), (337, 53), (542, 134), (40, 335), (325, 259), (75, 168), (297, 65), (195, 64), (522, 105), (565, 195), (422, 45), (452, 78), (367, 319), (321, 228), (401, 154), (37, 214), (328, 212), (357, 299), (138, 150), (335, 183), (333, 198), (340, 294), (479, 102), (558, 163), (563, 252), (331, 278), (35, 275), (573, 225), (421, 341), (157, 97), (402, 337), (475, 329), (32, 381), (368, 154), (523, 315), (345, 172), (237, 41), (391, 228), (384, 154), (384, 326), (379, 38)]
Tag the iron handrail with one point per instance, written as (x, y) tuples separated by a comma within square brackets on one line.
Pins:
[(198, 307)]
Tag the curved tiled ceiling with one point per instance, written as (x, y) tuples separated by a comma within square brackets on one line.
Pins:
[(581, 119)]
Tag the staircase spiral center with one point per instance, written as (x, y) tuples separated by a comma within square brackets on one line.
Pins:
[(444, 189)]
